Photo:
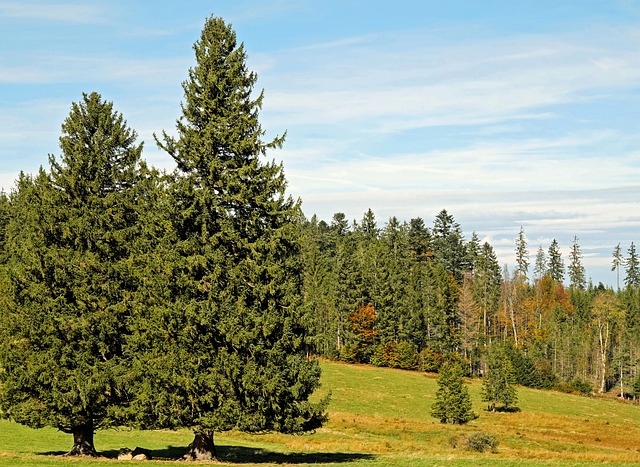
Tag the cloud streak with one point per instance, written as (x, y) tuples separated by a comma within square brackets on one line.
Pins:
[(74, 13)]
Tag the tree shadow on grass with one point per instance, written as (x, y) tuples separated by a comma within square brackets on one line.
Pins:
[(246, 455), (503, 409)]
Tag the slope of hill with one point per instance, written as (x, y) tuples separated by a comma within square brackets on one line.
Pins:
[(381, 417)]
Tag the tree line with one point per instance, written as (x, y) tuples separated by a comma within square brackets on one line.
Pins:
[(407, 295)]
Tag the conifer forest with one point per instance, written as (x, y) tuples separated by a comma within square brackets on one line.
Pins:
[(203, 298)]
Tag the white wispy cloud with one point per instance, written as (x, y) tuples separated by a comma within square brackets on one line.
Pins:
[(414, 84), (78, 12), (50, 69)]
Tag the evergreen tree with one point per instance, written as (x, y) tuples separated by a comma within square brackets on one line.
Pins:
[(473, 250), (419, 240), (453, 403), (636, 387), (316, 292), (233, 331), (448, 245), (339, 223), (498, 385), (487, 280), (68, 280), (522, 254), (541, 266), (369, 226), (577, 274), (618, 260), (391, 284), (5, 215), (556, 264), (441, 309), (632, 278)]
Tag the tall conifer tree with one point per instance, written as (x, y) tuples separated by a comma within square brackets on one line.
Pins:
[(556, 264), (618, 260), (522, 254), (577, 273), (541, 265), (68, 278), (448, 245), (234, 329), (632, 268)]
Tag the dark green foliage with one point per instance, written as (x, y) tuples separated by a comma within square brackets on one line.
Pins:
[(430, 360), (617, 261), (487, 279), (575, 386), (222, 344), (636, 387), (632, 268), (556, 264), (5, 216), (349, 353), (526, 372), (577, 273), (419, 239), (448, 245), (498, 384), (68, 281), (453, 403), (522, 254), (401, 355)]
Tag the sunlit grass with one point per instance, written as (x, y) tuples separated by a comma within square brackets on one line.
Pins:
[(382, 417)]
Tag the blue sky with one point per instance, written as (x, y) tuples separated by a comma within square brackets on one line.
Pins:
[(504, 113)]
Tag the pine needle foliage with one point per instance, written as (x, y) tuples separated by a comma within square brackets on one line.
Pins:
[(224, 348), (498, 384), (453, 403), (66, 282)]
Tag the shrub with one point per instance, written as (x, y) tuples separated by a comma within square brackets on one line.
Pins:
[(430, 360), (349, 353), (404, 357), (547, 377), (481, 442), (401, 355), (575, 386), (378, 357)]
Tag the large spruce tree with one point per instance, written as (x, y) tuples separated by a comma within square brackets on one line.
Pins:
[(227, 349), (66, 282)]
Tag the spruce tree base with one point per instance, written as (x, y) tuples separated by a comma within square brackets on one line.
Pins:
[(83, 442), (202, 448)]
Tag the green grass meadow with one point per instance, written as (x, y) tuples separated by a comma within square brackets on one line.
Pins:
[(380, 417)]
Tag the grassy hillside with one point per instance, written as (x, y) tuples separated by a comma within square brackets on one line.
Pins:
[(381, 417)]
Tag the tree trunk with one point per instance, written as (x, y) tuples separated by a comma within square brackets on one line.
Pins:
[(202, 447), (604, 343), (83, 441)]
